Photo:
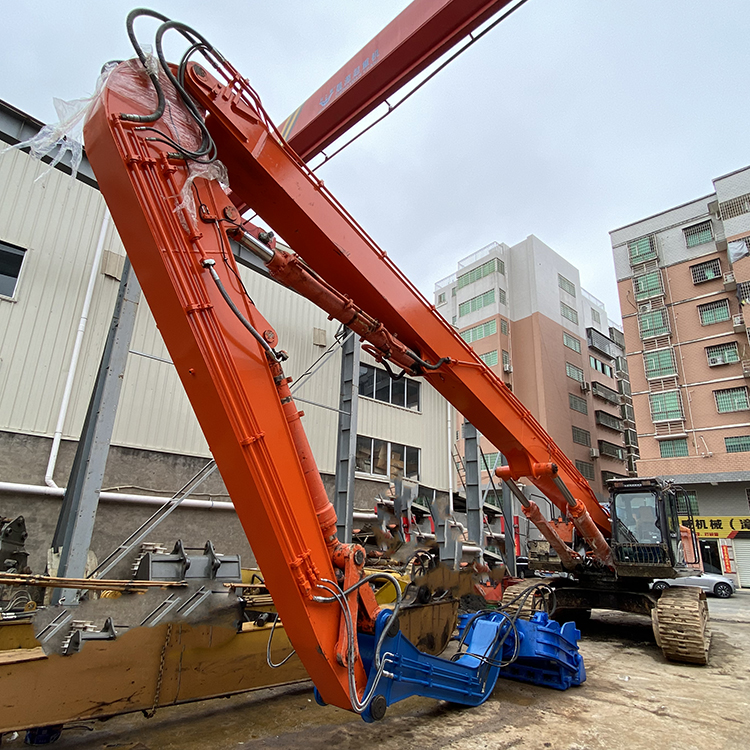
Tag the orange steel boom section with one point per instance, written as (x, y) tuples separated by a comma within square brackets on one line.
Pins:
[(407, 45), (275, 183)]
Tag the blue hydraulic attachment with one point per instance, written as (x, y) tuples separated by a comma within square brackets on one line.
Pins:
[(491, 645)]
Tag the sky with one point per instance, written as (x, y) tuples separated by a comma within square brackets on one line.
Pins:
[(569, 119)]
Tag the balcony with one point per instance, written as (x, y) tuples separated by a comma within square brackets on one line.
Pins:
[(597, 389), (738, 323), (729, 282), (605, 419), (601, 343), (611, 450)]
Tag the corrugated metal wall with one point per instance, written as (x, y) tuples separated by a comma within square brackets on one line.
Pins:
[(58, 220)]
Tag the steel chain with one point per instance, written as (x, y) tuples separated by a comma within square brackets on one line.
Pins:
[(150, 714)]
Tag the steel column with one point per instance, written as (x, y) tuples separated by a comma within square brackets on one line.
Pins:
[(473, 490), (510, 533), (346, 446), (75, 525)]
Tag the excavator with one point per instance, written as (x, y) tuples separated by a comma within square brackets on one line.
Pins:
[(165, 141)]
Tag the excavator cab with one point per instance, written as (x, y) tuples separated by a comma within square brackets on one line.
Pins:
[(646, 539)]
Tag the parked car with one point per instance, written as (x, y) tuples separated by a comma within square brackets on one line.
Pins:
[(711, 583)]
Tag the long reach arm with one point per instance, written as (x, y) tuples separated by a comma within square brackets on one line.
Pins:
[(154, 139)]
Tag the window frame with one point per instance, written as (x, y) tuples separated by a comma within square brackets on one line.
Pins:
[(698, 271), (745, 446), (669, 411), (735, 392), (719, 351), (13, 251), (411, 387), (568, 339), (488, 328), (673, 452), (387, 474), (566, 285), (570, 367), (695, 235), (569, 313), (713, 308)]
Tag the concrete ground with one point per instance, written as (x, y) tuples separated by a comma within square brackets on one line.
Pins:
[(632, 699)]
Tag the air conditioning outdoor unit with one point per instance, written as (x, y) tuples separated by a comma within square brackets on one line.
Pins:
[(507, 368), (594, 453), (715, 361), (585, 386), (645, 307)]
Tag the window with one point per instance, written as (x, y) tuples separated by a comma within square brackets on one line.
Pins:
[(698, 234), (503, 326), (655, 323), (673, 448), (627, 413), (600, 366), (642, 250), (441, 298), (566, 285), (492, 459), (574, 372), (739, 444), (660, 363), (707, 271), (571, 342), (687, 503), (610, 449), (735, 207), (11, 258), (480, 272), (582, 437), (479, 332), (586, 469), (648, 285), (378, 384), (489, 358), (577, 403), (595, 317), (501, 296), (606, 419), (714, 312), (731, 399), (608, 394), (476, 303), (743, 292), (381, 458), (569, 313), (665, 406), (722, 354), (455, 317), (506, 358), (631, 438)]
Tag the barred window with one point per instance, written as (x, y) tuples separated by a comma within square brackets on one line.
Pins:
[(660, 363), (687, 502), (642, 250), (673, 448), (665, 406), (480, 272), (501, 297), (596, 317), (566, 285), (571, 342), (707, 271), (610, 449), (740, 444), (574, 372), (479, 332), (568, 312), (577, 403), (489, 358), (731, 399), (743, 292), (655, 323), (735, 207), (586, 469), (714, 312), (722, 354), (698, 234), (648, 285), (506, 358), (476, 303), (503, 326), (582, 437)]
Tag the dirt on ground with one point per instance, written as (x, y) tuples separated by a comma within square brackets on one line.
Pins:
[(632, 699)]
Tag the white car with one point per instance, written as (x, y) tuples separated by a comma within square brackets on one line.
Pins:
[(711, 583)]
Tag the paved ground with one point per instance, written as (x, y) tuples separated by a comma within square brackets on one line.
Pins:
[(632, 699)]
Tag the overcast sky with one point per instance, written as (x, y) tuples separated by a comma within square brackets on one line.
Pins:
[(570, 119)]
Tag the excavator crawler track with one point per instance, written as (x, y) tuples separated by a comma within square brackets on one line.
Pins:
[(537, 601), (680, 623)]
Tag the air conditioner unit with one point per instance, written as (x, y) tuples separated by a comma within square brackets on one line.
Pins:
[(715, 361), (645, 307), (507, 368), (594, 453), (585, 386)]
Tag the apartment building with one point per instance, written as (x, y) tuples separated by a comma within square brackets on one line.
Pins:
[(684, 285), (523, 310)]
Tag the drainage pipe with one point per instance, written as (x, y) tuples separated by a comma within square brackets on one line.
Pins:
[(113, 497), (48, 480)]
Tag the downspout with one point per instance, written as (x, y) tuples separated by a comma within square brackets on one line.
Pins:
[(450, 460), (48, 477)]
